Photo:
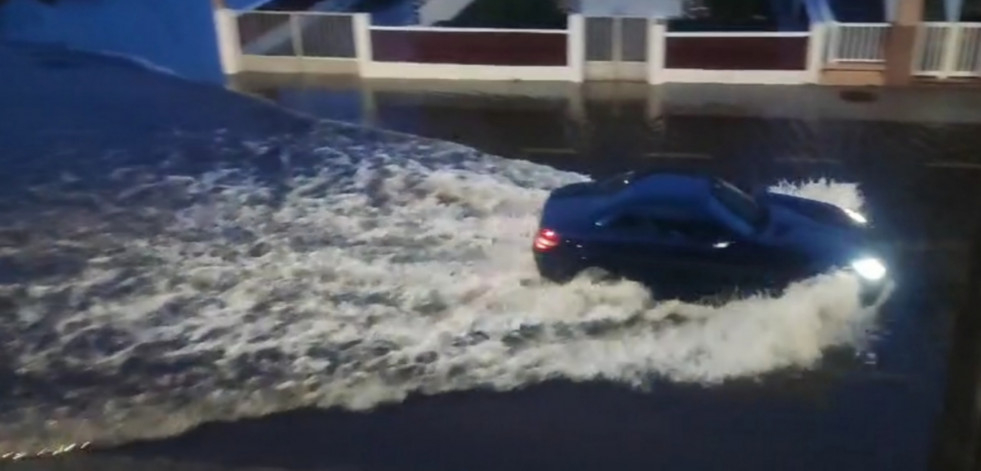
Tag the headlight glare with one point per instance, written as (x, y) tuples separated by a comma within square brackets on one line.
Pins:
[(856, 216), (869, 268)]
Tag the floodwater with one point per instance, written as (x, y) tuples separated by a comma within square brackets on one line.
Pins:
[(195, 280)]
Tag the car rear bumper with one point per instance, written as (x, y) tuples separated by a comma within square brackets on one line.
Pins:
[(557, 266)]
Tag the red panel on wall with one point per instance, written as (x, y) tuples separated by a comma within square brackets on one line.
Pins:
[(485, 48), (737, 53)]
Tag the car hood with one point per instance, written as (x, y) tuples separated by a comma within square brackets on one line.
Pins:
[(822, 231)]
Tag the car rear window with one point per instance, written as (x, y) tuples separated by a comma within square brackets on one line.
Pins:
[(618, 182), (615, 183)]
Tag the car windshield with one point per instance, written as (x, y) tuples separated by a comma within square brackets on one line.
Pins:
[(741, 204)]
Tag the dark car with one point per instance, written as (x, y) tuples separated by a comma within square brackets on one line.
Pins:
[(696, 235)]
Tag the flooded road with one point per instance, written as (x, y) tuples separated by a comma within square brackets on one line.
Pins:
[(912, 153), (239, 277)]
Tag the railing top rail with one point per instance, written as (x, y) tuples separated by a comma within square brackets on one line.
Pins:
[(292, 12), (839, 24), (441, 29), (637, 17), (738, 34), (967, 24)]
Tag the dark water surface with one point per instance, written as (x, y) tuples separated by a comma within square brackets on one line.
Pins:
[(912, 152)]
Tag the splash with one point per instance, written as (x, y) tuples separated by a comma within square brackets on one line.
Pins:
[(372, 271), (845, 195)]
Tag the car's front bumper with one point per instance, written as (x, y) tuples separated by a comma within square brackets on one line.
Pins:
[(875, 293)]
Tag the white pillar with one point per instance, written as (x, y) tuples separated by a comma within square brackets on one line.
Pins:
[(815, 51), (891, 9), (229, 51), (656, 40), (576, 47), (361, 23), (951, 50), (296, 35), (952, 9)]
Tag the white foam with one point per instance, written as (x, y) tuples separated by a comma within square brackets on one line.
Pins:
[(380, 272), (845, 195)]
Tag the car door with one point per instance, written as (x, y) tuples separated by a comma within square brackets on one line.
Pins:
[(745, 264), (630, 246), (765, 265), (688, 245), (720, 259)]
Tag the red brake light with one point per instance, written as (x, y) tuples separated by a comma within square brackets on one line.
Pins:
[(547, 239)]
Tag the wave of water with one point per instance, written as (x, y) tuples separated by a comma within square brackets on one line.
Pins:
[(160, 300)]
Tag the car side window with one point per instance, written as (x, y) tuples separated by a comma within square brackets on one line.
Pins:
[(629, 222), (695, 231)]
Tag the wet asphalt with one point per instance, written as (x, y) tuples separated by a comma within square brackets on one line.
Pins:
[(913, 151)]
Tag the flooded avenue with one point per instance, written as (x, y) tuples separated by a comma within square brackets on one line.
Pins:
[(873, 404)]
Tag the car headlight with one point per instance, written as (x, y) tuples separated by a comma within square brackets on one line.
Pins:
[(855, 215), (869, 268)]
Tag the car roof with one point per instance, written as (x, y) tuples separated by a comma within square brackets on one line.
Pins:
[(667, 194), (668, 187)]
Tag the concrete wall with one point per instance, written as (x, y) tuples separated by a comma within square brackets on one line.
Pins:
[(854, 75), (178, 35), (676, 57)]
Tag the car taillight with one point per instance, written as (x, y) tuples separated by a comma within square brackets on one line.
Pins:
[(547, 239)]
